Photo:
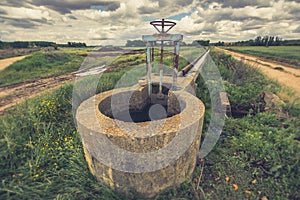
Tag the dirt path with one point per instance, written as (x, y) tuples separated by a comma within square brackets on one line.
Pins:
[(289, 77), (16, 93), (8, 61)]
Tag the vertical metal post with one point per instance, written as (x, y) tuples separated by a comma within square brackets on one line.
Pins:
[(161, 57), (161, 66), (148, 63), (152, 53), (176, 59), (162, 27)]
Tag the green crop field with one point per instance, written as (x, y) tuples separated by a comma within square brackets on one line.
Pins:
[(67, 60), (257, 155), (40, 64), (289, 55)]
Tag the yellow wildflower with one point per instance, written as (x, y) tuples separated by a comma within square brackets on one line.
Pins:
[(235, 186)]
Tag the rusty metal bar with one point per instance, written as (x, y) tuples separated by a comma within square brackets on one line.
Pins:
[(165, 26), (176, 60), (163, 23), (161, 66), (157, 29), (148, 63)]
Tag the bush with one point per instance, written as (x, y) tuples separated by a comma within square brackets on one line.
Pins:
[(244, 84)]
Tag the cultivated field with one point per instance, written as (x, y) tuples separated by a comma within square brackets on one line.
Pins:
[(289, 55), (256, 157)]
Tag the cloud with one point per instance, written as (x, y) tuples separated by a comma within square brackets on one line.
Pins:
[(3, 12), (26, 23), (115, 21), (235, 3), (147, 10), (72, 17), (184, 2), (21, 23), (23, 12), (16, 3), (67, 6), (102, 38), (297, 30), (63, 7)]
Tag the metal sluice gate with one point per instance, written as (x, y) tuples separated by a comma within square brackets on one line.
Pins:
[(163, 27)]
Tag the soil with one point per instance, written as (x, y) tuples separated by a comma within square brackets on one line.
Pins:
[(16, 93), (8, 61), (285, 76)]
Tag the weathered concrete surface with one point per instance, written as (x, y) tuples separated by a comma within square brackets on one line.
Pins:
[(146, 156), (143, 139)]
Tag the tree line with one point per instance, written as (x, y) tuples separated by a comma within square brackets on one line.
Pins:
[(261, 41), (34, 44), (141, 43)]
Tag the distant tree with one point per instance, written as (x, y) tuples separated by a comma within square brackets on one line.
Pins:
[(20, 44), (220, 43), (257, 41), (200, 42), (265, 40), (271, 41), (135, 43), (76, 44), (277, 40)]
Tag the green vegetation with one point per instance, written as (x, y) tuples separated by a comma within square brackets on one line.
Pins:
[(78, 51), (187, 56), (256, 156), (243, 83), (286, 54), (40, 64), (66, 60), (191, 53), (37, 44), (41, 153), (267, 40), (259, 153), (25, 44)]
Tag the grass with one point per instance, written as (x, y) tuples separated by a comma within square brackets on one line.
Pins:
[(285, 54), (40, 64), (256, 156), (8, 53), (47, 154), (259, 152), (76, 50), (67, 60)]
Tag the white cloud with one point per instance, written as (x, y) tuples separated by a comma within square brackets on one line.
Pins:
[(22, 12), (237, 20)]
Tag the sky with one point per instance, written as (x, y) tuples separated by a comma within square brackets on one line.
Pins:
[(98, 22)]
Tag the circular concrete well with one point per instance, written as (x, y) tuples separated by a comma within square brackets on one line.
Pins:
[(135, 141)]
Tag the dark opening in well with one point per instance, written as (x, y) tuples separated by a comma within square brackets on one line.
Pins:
[(138, 106)]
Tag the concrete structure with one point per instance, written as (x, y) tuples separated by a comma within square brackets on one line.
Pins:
[(145, 137), (184, 120)]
